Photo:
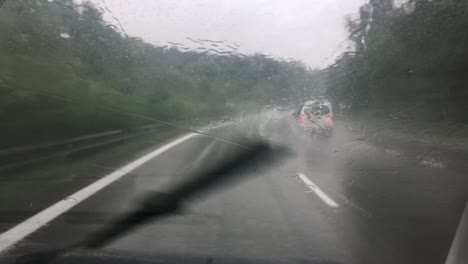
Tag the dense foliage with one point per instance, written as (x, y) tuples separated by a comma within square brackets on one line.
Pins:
[(410, 61), (61, 65)]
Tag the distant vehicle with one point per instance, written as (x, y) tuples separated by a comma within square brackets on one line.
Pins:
[(316, 116)]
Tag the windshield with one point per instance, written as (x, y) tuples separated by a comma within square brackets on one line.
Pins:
[(326, 131)]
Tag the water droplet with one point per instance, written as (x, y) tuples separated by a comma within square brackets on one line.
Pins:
[(70, 200), (432, 163), (64, 35)]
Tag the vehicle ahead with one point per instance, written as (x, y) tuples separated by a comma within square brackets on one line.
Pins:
[(316, 116)]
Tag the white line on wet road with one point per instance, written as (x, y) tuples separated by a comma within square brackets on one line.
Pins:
[(201, 158), (261, 128), (325, 198), (30, 225)]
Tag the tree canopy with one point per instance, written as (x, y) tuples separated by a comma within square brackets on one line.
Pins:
[(61, 63), (410, 58)]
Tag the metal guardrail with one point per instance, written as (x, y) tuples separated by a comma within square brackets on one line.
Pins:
[(16, 157)]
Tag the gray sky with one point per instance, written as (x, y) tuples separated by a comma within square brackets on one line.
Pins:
[(308, 30)]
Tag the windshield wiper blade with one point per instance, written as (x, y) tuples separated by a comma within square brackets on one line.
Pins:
[(156, 204)]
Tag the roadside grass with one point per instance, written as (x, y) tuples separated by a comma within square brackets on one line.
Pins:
[(446, 135), (33, 188), (88, 163)]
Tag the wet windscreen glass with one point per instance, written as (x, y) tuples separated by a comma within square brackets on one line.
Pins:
[(249, 131)]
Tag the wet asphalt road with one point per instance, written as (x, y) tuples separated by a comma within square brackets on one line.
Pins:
[(390, 207)]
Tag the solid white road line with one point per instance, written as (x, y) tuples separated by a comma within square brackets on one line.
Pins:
[(204, 153), (20, 231), (317, 191)]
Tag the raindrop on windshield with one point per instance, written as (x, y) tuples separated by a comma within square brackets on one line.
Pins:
[(64, 35)]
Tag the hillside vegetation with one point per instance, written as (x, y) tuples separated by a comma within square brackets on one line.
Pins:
[(410, 62), (62, 66)]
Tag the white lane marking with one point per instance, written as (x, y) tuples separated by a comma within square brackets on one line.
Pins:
[(349, 202), (30, 225), (204, 153), (317, 191), (261, 128), (457, 253), (260, 131)]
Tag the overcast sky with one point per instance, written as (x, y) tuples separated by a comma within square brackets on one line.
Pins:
[(308, 30)]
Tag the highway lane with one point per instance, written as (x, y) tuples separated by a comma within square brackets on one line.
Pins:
[(388, 209)]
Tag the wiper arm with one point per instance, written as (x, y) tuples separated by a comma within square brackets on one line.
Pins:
[(156, 204)]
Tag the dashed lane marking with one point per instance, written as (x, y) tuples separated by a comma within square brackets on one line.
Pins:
[(325, 198)]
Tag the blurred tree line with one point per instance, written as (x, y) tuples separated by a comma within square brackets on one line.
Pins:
[(410, 61), (61, 64)]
